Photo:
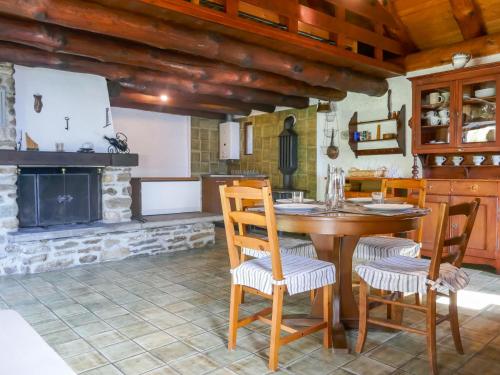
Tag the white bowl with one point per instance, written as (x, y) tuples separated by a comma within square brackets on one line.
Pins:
[(483, 93)]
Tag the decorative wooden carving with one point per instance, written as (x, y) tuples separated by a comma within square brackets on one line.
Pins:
[(31, 145), (38, 105)]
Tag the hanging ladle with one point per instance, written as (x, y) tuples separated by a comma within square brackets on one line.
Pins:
[(332, 151)]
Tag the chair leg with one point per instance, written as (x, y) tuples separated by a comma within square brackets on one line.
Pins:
[(431, 331), (455, 329), (236, 292), (397, 311), (363, 315), (312, 295), (417, 299), (327, 316), (242, 259), (278, 292)]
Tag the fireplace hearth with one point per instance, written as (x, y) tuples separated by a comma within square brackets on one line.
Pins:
[(57, 196)]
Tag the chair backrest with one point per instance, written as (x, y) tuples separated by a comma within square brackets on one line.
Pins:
[(240, 218), (456, 245), (253, 183), (411, 186)]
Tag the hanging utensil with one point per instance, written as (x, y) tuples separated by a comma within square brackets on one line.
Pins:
[(332, 151), (389, 104)]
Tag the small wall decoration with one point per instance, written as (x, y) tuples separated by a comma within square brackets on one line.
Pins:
[(67, 123), (118, 144), (38, 105), (31, 145)]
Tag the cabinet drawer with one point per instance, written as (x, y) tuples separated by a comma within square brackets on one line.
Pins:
[(438, 187), (474, 188)]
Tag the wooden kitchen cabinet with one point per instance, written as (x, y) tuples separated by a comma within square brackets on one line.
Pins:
[(483, 245), (210, 195)]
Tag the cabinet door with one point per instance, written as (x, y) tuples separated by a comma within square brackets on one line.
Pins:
[(477, 116), (434, 129), (430, 222), (483, 240)]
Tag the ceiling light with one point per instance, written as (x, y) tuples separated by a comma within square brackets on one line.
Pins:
[(163, 98)]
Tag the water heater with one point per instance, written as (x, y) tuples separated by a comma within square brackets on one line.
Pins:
[(229, 140)]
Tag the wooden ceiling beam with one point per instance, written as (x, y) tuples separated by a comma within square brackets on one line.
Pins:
[(400, 31), (57, 39), (122, 103), (184, 103), (141, 79), (469, 19), (161, 34), (178, 99), (478, 47)]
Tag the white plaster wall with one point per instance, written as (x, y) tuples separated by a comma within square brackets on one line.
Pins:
[(368, 108), (163, 141), (82, 97)]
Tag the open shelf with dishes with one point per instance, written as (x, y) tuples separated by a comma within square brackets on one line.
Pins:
[(389, 132)]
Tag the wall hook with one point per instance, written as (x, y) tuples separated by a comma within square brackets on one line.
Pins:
[(67, 123)]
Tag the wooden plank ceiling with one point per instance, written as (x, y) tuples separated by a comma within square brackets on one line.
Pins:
[(212, 57)]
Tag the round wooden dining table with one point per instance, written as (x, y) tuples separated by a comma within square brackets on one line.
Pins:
[(335, 236)]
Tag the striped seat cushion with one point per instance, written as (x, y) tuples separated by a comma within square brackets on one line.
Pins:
[(288, 246), (409, 275), (300, 274), (375, 248)]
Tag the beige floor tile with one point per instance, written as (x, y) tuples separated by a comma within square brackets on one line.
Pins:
[(196, 364), (139, 364), (154, 340), (138, 329), (104, 339), (60, 337), (224, 357), (364, 365), (92, 329), (104, 370), (164, 370), (251, 365), (185, 330), (72, 348), (173, 351), (390, 355), (204, 341), (122, 321), (122, 350), (86, 361)]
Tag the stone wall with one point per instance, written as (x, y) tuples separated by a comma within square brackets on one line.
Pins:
[(8, 130), (8, 173), (205, 147), (116, 195), (31, 254)]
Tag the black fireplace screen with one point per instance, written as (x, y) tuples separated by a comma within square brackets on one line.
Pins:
[(53, 196)]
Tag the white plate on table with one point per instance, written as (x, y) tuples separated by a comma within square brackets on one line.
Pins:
[(388, 206), (297, 206), (288, 200), (359, 200)]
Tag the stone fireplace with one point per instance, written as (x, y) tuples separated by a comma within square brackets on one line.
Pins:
[(33, 241)]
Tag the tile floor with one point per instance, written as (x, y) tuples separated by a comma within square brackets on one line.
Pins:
[(168, 315)]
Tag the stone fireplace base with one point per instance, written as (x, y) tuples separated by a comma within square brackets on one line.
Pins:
[(33, 251)]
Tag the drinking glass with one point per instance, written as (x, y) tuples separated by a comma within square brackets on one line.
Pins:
[(377, 197), (297, 196)]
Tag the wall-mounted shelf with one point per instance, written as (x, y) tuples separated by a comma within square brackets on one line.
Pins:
[(400, 135)]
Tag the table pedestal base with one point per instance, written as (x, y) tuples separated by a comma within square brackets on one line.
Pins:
[(339, 251)]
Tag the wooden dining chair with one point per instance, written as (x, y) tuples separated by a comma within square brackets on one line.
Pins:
[(288, 245), (378, 247), (270, 276), (439, 276)]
